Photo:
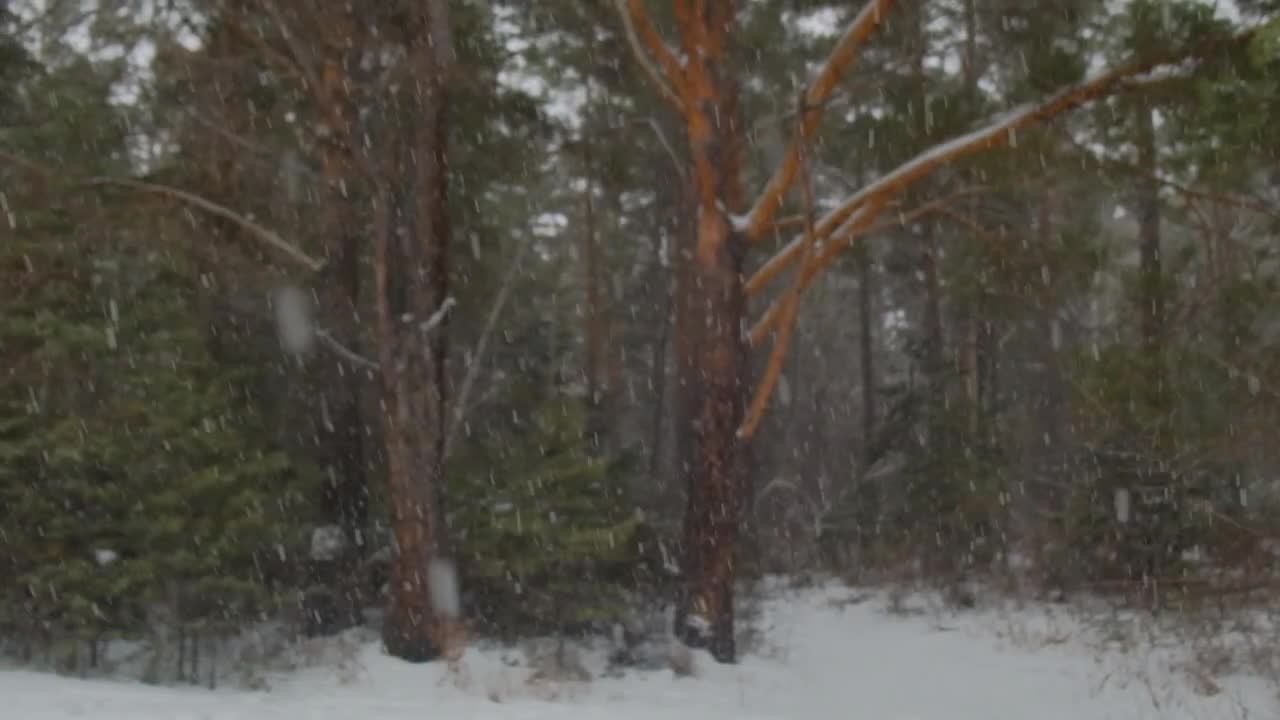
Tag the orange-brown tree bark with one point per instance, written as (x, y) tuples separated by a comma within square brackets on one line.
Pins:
[(716, 306), (411, 286)]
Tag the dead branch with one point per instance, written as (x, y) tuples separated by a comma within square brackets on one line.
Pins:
[(302, 59), (327, 339), (265, 235), (460, 407), (811, 111), (640, 32)]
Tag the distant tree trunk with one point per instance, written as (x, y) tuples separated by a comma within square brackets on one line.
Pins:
[(672, 205), (1150, 292), (866, 348), (1051, 398), (345, 501), (716, 304), (974, 315), (593, 313), (932, 358), (412, 353)]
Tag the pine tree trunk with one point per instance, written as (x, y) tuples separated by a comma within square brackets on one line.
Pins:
[(345, 501), (715, 305), (412, 353)]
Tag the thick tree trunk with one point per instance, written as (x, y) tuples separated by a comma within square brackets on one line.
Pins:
[(345, 499), (412, 353), (715, 304), (345, 502)]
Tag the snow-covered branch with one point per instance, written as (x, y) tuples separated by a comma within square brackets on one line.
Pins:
[(1001, 131), (785, 257)]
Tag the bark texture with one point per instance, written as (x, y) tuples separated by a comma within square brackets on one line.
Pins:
[(412, 275), (715, 307)]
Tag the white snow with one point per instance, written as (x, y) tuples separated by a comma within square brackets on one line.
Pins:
[(293, 319), (443, 581), (327, 542), (829, 653), (105, 556)]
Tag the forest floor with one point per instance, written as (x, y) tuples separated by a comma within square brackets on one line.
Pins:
[(826, 652)]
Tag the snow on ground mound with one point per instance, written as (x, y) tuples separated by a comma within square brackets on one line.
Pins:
[(828, 653)]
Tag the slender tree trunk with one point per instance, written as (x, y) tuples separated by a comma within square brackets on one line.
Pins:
[(1151, 296), (973, 319), (593, 312), (866, 348), (716, 304), (1051, 421), (412, 353), (661, 292), (933, 359), (934, 365)]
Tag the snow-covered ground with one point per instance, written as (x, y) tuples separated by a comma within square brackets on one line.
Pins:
[(821, 656)]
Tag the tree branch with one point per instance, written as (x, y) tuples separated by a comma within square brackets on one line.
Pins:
[(811, 111), (477, 356), (640, 32), (999, 132), (328, 340), (790, 303), (858, 226), (269, 237), (792, 251), (1003, 129)]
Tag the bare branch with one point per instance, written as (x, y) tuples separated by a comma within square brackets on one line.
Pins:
[(460, 407), (328, 340), (666, 145), (266, 151), (824, 84), (271, 238), (636, 24), (302, 59)]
